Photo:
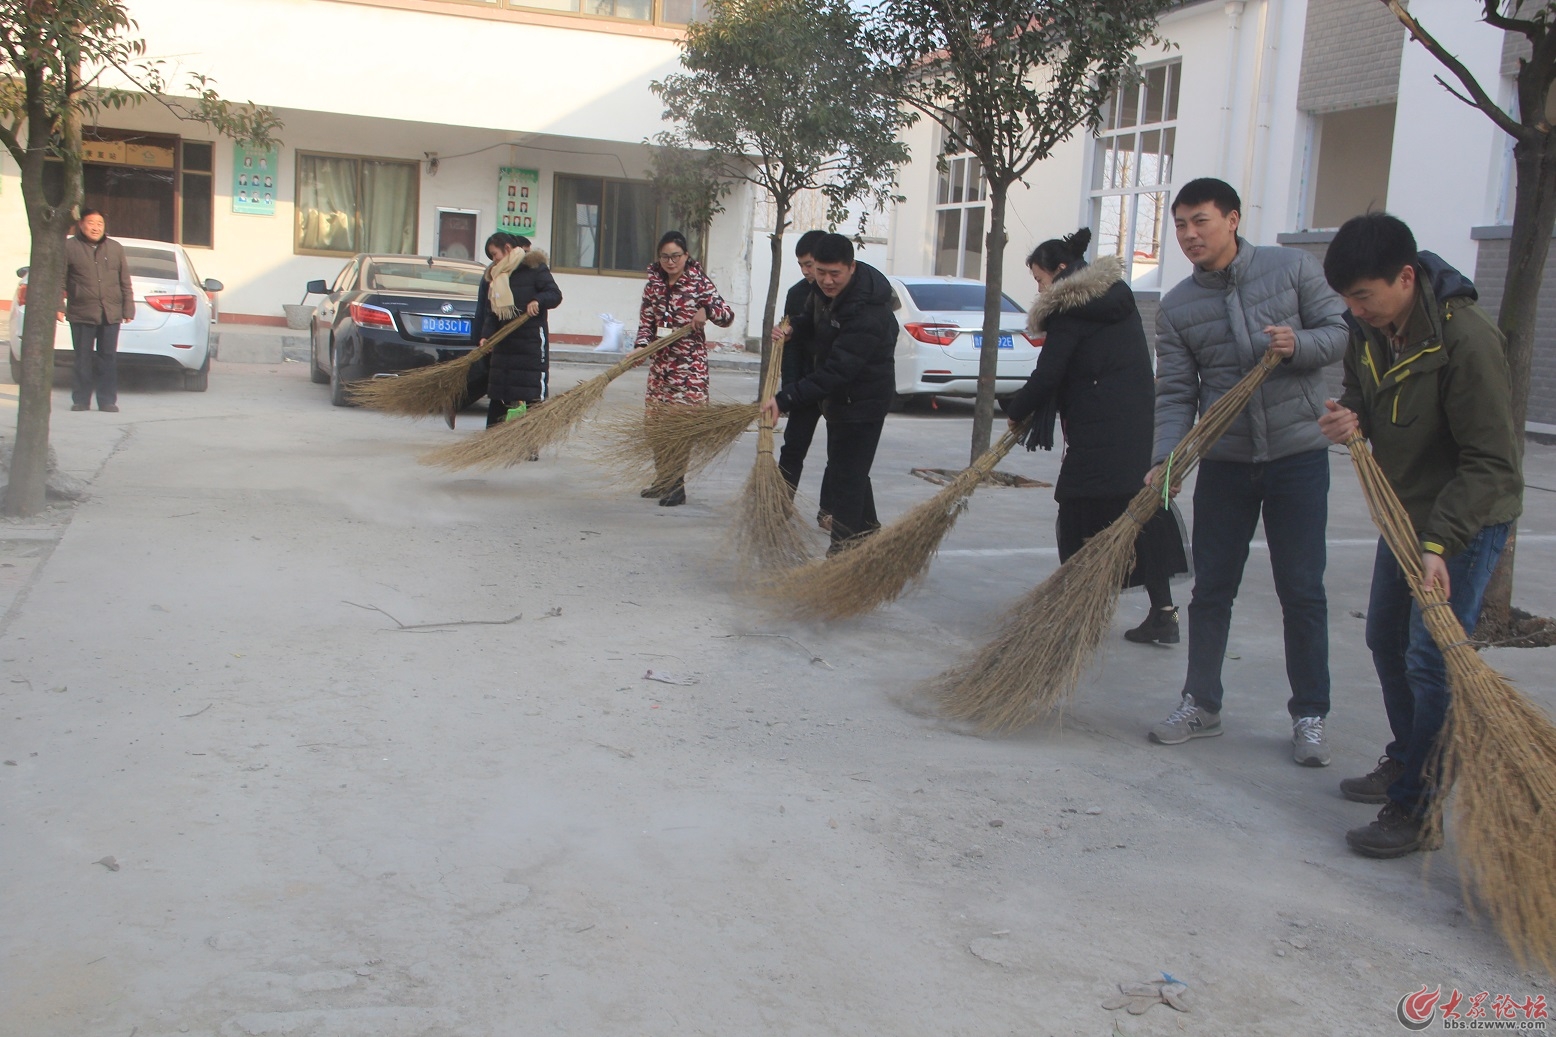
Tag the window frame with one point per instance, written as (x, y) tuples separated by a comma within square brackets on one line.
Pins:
[(947, 178), (1096, 191), (698, 238), (297, 185), (113, 133)]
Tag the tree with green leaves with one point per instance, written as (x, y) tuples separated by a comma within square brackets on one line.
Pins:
[(1008, 81), (1534, 209), (782, 95), (55, 57)]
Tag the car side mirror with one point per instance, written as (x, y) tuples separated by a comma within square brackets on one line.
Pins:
[(21, 271), (210, 284), (318, 288)]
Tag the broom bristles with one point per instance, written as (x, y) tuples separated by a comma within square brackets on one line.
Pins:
[(768, 533), (428, 391), (669, 441), (1044, 647), (1496, 754), (544, 424), (881, 567)]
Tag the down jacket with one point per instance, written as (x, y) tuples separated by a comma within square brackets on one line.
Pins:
[(1210, 332), (97, 282), (520, 364), (1096, 366), (1440, 416), (853, 340)]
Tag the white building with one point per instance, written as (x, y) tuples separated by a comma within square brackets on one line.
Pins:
[(403, 120), (1315, 110)]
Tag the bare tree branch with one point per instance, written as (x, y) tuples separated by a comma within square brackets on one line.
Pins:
[(1482, 100)]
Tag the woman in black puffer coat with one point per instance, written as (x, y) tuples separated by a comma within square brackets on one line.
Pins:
[(1095, 372), (518, 281)]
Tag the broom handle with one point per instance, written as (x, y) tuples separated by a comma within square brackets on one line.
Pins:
[(765, 440), (497, 336), (1006, 443), (637, 356), (1218, 417)]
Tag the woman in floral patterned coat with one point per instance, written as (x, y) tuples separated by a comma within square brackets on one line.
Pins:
[(678, 293)]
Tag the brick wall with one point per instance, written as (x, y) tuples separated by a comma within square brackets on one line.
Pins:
[(1491, 279), (1350, 56)]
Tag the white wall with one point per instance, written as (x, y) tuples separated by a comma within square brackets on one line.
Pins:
[(414, 65), (1447, 163)]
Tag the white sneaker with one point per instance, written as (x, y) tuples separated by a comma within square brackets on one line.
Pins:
[(1307, 742), (1185, 722)]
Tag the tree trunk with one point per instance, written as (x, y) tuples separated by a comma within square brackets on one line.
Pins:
[(993, 297), (1534, 218), (774, 278)]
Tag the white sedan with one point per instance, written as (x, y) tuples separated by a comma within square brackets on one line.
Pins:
[(173, 315), (941, 321)]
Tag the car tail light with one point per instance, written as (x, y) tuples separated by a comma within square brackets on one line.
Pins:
[(934, 334), (371, 316), (21, 295), (1036, 340), (184, 304)]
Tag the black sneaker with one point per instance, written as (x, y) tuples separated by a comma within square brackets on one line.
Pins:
[(675, 498), (1374, 787), (1160, 627), (1395, 833)]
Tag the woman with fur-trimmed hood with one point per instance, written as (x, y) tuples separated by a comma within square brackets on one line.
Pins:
[(518, 281), (1094, 371)]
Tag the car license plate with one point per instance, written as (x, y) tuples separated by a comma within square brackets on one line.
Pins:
[(1006, 342), (445, 325)]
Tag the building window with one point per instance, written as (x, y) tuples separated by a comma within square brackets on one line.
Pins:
[(1349, 162), (1131, 176), (961, 205), (610, 226), (146, 185), (347, 205), (647, 12)]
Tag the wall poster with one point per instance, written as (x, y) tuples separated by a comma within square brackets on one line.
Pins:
[(254, 179), (518, 200)]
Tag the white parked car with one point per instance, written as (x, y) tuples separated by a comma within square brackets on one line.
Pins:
[(941, 322), (173, 316)]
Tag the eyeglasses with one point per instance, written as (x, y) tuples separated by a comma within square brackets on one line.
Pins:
[(671, 257)]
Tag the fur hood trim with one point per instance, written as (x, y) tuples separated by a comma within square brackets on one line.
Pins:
[(1086, 285), (534, 258)]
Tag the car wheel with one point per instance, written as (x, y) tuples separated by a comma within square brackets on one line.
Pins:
[(337, 388), (199, 381), (16, 370), (316, 374)]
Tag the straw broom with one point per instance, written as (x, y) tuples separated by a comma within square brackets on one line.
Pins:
[(544, 424), (1039, 654), (1497, 754), (428, 391), (768, 534), (880, 568), (674, 440)]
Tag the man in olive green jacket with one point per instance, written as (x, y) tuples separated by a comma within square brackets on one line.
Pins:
[(98, 298), (1426, 382)]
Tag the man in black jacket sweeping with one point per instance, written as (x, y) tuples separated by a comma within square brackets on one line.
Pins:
[(853, 335)]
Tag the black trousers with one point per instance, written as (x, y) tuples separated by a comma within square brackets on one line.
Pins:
[(846, 493), (798, 432), (99, 372)]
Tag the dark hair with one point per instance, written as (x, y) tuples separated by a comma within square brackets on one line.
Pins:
[(89, 212), (1376, 246), (833, 248), (673, 237), (1068, 252), (502, 239), (806, 246), (1209, 189)]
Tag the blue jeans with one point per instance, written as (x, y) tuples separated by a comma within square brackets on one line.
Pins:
[(1410, 668), (1292, 494)]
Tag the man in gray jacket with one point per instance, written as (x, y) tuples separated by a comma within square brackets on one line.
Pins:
[(98, 298), (1210, 330)]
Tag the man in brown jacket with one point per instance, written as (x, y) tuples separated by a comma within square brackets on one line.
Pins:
[(98, 298)]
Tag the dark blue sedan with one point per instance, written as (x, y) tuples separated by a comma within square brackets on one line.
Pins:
[(388, 314)]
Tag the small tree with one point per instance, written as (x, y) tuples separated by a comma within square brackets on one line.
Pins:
[(53, 55), (782, 95), (1008, 81), (1534, 211)]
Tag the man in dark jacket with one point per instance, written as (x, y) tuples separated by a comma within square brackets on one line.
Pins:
[(1426, 382), (798, 361), (98, 298), (854, 336)]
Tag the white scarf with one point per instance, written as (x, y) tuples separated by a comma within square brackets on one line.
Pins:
[(500, 294)]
